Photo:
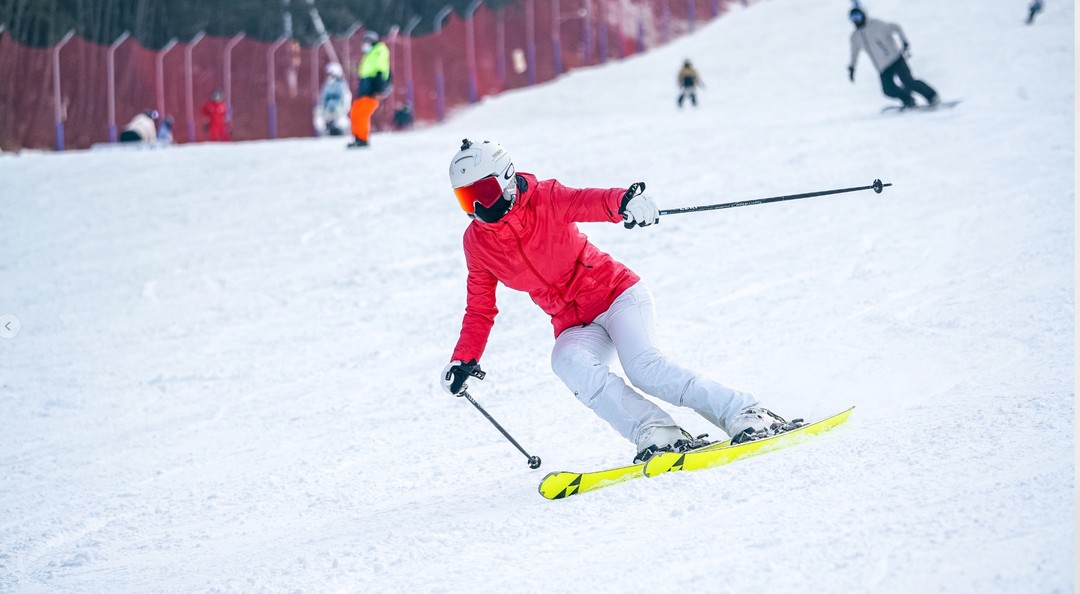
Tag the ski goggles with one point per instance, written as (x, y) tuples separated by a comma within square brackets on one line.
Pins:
[(485, 192)]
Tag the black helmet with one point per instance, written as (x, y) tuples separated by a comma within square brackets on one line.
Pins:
[(857, 16)]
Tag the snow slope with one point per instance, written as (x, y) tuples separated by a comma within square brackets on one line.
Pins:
[(226, 376)]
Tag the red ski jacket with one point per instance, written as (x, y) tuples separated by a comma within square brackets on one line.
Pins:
[(537, 248)]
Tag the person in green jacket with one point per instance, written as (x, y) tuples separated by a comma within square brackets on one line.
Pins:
[(374, 75)]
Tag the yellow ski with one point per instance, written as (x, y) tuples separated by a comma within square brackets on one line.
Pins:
[(715, 456), (559, 485)]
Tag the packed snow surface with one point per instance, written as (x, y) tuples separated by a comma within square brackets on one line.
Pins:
[(226, 377)]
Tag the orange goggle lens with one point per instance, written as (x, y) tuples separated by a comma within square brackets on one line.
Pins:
[(485, 191)]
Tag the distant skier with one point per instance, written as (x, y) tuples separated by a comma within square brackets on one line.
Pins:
[(165, 131), (332, 113), (141, 128), (374, 74), (403, 117), (215, 113), (688, 81), (524, 235), (1034, 9), (878, 39)]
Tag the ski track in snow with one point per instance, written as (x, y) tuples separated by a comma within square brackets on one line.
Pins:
[(226, 375)]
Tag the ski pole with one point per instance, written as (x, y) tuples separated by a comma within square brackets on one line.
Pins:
[(534, 461), (877, 187)]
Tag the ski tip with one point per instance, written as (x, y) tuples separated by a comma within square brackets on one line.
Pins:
[(560, 485)]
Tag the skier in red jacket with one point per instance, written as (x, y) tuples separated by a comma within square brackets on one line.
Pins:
[(215, 111), (524, 235)]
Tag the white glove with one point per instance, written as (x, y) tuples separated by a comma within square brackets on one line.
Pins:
[(640, 211)]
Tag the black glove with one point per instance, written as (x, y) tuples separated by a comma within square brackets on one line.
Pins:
[(851, 73), (906, 50), (457, 372)]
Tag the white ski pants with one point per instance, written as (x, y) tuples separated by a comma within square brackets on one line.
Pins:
[(582, 355)]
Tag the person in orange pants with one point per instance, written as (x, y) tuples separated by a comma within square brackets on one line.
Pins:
[(362, 110), (374, 74)]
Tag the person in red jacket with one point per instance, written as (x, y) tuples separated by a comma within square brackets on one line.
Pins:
[(215, 113), (524, 235)]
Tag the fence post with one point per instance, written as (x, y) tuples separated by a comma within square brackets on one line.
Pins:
[(691, 13), (530, 40), (602, 33), (666, 18), (110, 65), (641, 27), (271, 91), (189, 84), (236, 39), (586, 36), (58, 110), (160, 73), (350, 71), (556, 37), (391, 38), (500, 46), (619, 15), (315, 74), (409, 87), (470, 49), (440, 79)]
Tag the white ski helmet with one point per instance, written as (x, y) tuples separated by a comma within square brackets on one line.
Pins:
[(334, 70), (483, 177)]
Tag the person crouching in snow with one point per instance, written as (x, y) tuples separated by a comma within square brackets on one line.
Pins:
[(524, 235), (877, 38)]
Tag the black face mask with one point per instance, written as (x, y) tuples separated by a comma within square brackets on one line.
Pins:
[(498, 210), (495, 212)]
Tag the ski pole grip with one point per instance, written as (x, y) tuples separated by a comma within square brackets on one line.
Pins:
[(635, 189)]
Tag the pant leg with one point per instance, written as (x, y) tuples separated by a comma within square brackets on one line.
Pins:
[(631, 323), (580, 358), (913, 84), (889, 86), (362, 109)]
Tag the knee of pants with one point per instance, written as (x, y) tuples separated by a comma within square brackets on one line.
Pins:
[(581, 371), (648, 371)]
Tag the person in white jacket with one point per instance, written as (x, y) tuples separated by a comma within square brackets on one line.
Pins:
[(141, 128), (878, 40), (332, 112)]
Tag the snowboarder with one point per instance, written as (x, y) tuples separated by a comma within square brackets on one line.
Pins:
[(215, 113), (524, 235), (1034, 9), (878, 39), (374, 74), (403, 117), (332, 113), (141, 128), (165, 131), (688, 80)]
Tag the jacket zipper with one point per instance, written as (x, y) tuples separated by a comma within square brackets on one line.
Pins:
[(524, 258)]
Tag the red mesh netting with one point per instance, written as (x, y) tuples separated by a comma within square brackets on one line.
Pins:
[(272, 88)]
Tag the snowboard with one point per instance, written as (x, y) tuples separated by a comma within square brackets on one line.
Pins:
[(941, 105)]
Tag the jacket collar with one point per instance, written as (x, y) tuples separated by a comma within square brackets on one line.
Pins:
[(513, 218)]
